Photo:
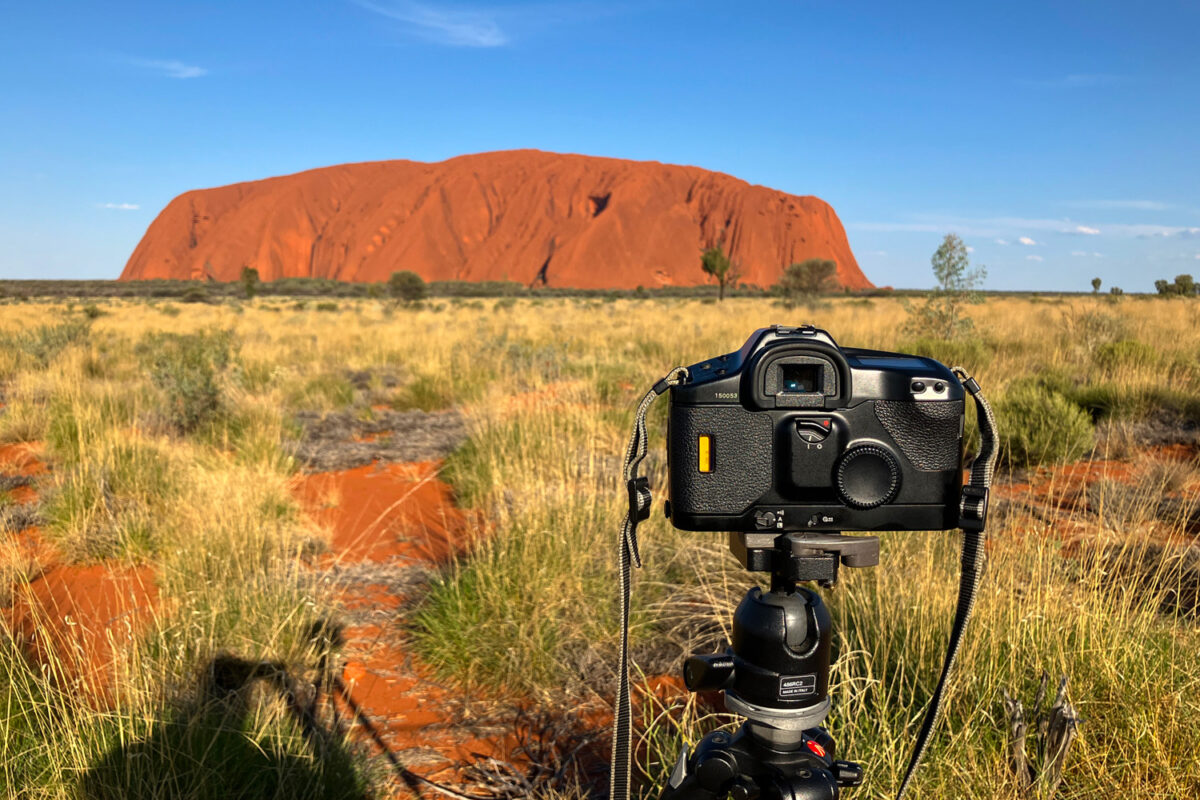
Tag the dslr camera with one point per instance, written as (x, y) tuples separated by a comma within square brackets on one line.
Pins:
[(794, 433)]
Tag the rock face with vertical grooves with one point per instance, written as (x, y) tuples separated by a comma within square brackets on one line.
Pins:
[(523, 215)]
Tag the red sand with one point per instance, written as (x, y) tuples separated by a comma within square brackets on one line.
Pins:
[(72, 616), (395, 514), (80, 616), (386, 511), (521, 215)]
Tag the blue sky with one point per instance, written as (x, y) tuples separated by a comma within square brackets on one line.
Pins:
[(1061, 140)]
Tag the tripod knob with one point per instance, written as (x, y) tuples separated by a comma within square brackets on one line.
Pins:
[(847, 773), (743, 789), (708, 673)]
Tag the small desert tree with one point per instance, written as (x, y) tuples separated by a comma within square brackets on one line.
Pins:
[(407, 287), (943, 315), (807, 280), (1096, 285), (716, 263), (249, 281), (1185, 285)]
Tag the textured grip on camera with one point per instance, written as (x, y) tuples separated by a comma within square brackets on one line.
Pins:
[(742, 458), (927, 432)]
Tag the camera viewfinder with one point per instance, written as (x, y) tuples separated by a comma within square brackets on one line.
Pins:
[(800, 378)]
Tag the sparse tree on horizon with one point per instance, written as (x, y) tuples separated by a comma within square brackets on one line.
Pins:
[(806, 280), (1096, 285), (943, 315), (249, 281), (407, 287), (716, 263)]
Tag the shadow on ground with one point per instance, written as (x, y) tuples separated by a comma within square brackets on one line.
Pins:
[(207, 750)]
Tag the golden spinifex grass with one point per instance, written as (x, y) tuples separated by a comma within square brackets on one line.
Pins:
[(153, 463)]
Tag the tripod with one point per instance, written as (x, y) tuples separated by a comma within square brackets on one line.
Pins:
[(776, 675)]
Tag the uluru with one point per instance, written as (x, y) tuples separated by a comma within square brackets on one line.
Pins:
[(524, 215)]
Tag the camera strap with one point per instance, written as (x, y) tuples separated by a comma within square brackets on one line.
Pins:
[(972, 519), (638, 488)]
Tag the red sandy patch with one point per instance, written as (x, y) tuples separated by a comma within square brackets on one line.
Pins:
[(75, 618), (395, 515), (70, 618), (385, 511)]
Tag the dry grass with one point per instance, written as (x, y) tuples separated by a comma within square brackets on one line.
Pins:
[(547, 389)]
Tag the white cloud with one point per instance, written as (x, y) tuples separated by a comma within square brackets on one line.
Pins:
[(1078, 253), (1139, 205), (1025, 240), (1098, 255), (970, 249), (1163, 231), (1034, 258), (119, 206), (457, 27), (1003, 230), (1198, 256), (171, 68)]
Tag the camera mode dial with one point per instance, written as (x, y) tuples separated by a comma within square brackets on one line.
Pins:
[(867, 476)]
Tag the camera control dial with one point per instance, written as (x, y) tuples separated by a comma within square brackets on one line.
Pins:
[(867, 476)]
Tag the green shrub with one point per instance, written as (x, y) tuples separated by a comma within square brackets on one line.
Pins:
[(323, 391), (1039, 426), (1126, 352), (40, 345), (110, 504), (186, 369), (425, 393), (407, 286), (327, 306), (195, 294)]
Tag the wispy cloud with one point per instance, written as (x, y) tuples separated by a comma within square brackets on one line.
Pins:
[(1002, 242), (455, 27), (1034, 258), (170, 68), (1025, 240), (1085, 254), (119, 206), (1163, 231), (1002, 230), (1136, 205)]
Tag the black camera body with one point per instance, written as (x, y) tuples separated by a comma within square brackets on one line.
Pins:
[(793, 433)]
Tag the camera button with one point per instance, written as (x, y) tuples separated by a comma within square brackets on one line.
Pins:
[(814, 430), (918, 386)]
